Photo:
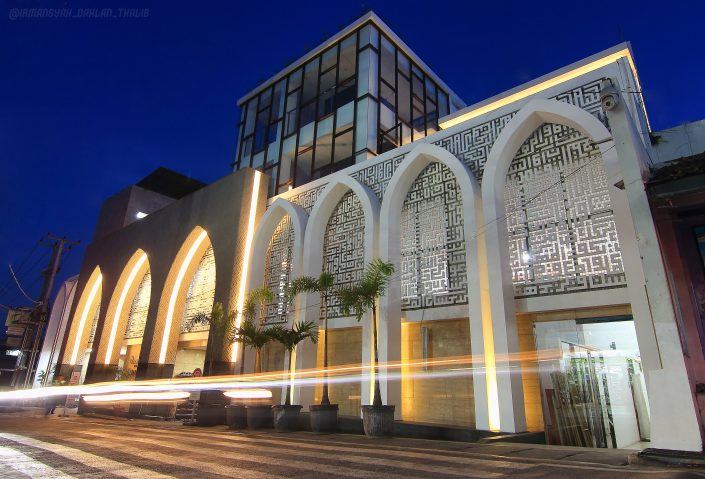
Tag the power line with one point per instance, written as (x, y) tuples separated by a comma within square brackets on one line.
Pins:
[(20, 287)]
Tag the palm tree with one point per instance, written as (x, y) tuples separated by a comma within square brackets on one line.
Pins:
[(290, 338), (221, 326), (363, 296), (249, 334), (323, 285)]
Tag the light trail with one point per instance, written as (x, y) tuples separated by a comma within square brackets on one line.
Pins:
[(441, 368)]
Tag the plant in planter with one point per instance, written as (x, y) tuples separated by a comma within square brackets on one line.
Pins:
[(255, 336), (221, 327), (378, 420), (324, 416), (286, 417)]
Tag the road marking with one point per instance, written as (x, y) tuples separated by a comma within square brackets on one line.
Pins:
[(26, 465), (88, 459)]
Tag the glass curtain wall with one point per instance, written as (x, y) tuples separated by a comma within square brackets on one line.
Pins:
[(356, 99)]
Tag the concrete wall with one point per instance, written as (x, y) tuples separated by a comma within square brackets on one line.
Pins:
[(680, 141), (222, 210)]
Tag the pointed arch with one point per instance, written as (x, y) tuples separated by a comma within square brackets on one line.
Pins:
[(501, 304), (278, 211), (173, 298), (87, 308), (406, 174), (118, 311)]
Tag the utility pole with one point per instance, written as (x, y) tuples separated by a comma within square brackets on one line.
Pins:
[(40, 313)]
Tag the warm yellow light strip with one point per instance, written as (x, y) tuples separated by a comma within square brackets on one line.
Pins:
[(551, 82), (84, 315), (246, 259), (136, 396), (121, 302), (175, 294)]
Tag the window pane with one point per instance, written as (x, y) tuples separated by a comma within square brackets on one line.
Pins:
[(287, 161), (431, 89), (250, 116), (348, 56), (308, 113), (403, 64), (327, 88), (278, 101), (372, 130), (272, 173), (343, 146), (404, 98), (258, 160), (295, 80), (369, 36), (361, 124), (292, 103), (405, 134), (442, 104), (367, 74), (386, 96), (261, 129), (344, 117), (306, 137), (275, 135), (265, 99), (310, 80), (389, 68), (303, 167), (324, 143), (345, 92), (246, 152), (329, 58)]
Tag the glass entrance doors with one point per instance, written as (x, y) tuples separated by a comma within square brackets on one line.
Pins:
[(592, 384)]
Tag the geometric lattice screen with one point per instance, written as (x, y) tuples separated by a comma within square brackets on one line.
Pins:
[(432, 249), (277, 270), (91, 334), (344, 247), (560, 222), (139, 309), (199, 297)]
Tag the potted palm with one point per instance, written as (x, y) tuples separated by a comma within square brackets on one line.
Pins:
[(286, 416), (252, 335), (377, 419), (324, 416), (221, 326)]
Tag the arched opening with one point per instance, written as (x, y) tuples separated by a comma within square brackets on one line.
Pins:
[(341, 238), (85, 322), (188, 292), (434, 311), (127, 311)]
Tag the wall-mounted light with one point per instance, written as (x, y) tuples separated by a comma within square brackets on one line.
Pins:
[(140, 215)]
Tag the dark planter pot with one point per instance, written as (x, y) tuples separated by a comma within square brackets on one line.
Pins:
[(286, 418), (378, 420), (324, 418), (236, 416), (210, 414), (259, 417)]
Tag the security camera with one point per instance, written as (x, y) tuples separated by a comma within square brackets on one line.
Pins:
[(609, 97)]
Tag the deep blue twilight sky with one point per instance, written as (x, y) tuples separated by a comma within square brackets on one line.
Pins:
[(89, 106)]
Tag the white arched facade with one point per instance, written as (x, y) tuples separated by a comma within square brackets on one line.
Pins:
[(390, 238)]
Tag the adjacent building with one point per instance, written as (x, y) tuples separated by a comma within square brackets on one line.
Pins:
[(519, 228)]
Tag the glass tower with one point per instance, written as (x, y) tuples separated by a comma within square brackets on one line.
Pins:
[(360, 94)]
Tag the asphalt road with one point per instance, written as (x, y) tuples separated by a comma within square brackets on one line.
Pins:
[(85, 447)]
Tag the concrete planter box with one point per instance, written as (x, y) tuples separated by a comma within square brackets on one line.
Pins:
[(236, 416), (286, 418), (324, 418), (210, 414), (378, 420), (259, 417)]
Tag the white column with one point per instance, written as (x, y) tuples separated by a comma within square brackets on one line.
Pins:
[(674, 421)]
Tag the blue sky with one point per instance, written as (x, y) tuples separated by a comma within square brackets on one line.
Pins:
[(89, 106)]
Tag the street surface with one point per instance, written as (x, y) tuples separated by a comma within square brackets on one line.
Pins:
[(85, 447)]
